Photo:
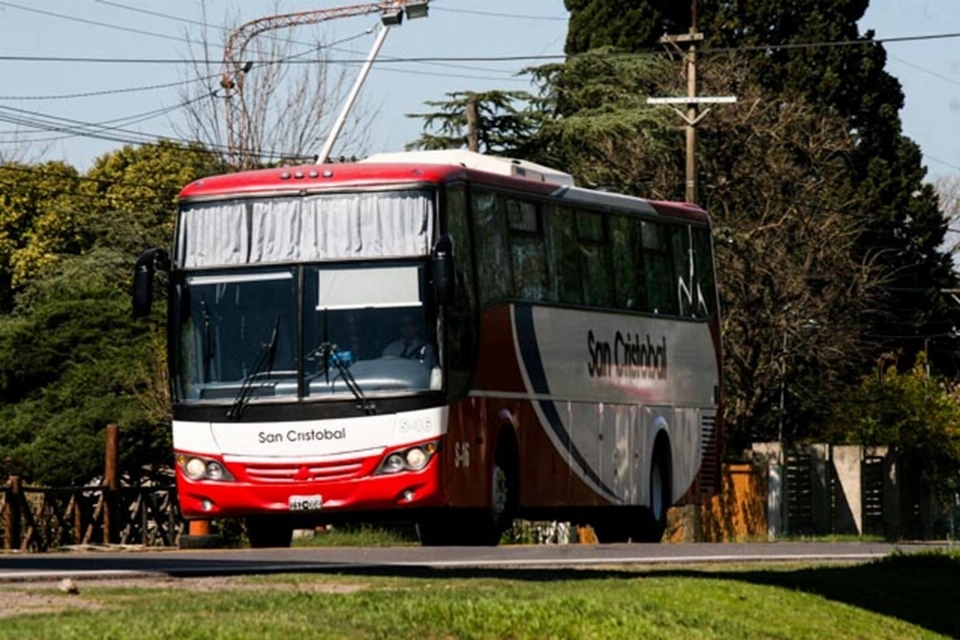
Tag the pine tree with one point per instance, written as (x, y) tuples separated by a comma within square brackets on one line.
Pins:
[(903, 226)]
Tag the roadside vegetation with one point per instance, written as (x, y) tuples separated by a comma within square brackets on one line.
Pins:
[(898, 597)]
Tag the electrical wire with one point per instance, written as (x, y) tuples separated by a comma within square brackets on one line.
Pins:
[(492, 14), (512, 58), (106, 25), (117, 134)]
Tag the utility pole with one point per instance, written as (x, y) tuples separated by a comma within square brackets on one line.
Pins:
[(473, 143), (692, 118)]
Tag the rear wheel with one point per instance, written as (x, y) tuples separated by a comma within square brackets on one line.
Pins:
[(269, 531), (654, 523)]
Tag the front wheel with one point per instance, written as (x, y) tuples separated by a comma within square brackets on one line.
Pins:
[(481, 527)]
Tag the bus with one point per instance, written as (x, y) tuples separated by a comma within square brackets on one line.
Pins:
[(446, 338)]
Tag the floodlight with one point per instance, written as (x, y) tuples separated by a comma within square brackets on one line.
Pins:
[(417, 9), (391, 17)]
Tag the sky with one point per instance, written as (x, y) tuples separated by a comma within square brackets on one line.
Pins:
[(929, 70)]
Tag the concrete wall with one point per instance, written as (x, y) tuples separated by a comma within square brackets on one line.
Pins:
[(848, 514), (837, 489)]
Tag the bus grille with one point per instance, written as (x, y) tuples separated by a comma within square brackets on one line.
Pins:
[(710, 459), (308, 472)]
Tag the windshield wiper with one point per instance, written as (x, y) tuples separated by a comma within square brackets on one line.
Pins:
[(329, 352), (263, 363)]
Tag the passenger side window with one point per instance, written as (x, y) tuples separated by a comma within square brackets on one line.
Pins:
[(565, 249), (493, 267), (594, 260), (658, 268), (683, 269), (528, 257), (705, 296), (627, 262)]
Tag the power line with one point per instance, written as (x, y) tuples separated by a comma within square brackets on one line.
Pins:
[(205, 25), (167, 16), (513, 58), (83, 129), (107, 92), (943, 162), (512, 16), (926, 71), (106, 25), (125, 120)]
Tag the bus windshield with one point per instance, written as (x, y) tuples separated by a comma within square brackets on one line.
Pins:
[(305, 331)]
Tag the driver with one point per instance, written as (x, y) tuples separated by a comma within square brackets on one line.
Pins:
[(410, 344)]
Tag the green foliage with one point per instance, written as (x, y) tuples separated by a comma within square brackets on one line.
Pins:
[(909, 410), (72, 360), (41, 216), (66, 371), (505, 122), (599, 127), (902, 226), (628, 26), (133, 191)]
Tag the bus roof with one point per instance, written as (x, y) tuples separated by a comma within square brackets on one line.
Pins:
[(429, 167)]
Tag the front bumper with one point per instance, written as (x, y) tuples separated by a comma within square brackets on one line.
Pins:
[(368, 493)]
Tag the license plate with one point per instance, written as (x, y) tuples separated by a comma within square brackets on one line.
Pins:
[(305, 503)]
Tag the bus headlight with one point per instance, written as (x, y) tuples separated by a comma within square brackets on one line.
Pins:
[(412, 459), (215, 471), (416, 459), (392, 464), (197, 468)]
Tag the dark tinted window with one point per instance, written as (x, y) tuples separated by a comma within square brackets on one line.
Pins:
[(493, 263)]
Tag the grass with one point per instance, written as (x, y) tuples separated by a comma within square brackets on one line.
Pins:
[(899, 597), (365, 535)]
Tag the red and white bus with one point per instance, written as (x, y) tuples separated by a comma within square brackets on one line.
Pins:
[(441, 337)]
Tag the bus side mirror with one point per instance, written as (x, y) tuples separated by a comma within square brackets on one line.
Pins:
[(143, 273), (443, 277)]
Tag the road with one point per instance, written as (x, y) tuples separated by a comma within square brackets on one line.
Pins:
[(406, 559)]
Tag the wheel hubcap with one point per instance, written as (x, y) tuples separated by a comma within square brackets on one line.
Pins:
[(656, 492), (500, 492)]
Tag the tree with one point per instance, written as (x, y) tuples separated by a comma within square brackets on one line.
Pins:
[(68, 367), (785, 217), (503, 128), (132, 192), (71, 358), (948, 194), (902, 226), (41, 217), (917, 415), (288, 101), (598, 126), (626, 26)]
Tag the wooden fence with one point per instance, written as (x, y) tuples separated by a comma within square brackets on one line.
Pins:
[(45, 519)]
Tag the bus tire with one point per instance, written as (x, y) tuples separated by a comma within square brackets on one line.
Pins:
[(269, 531), (504, 489), (654, 521)]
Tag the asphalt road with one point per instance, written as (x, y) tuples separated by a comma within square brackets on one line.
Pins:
[(399, 560)]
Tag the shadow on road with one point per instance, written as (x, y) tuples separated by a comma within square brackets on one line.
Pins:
[(922, 589)]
